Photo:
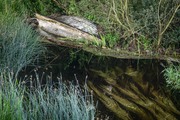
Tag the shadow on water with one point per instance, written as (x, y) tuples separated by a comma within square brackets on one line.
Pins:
[(125, 89)]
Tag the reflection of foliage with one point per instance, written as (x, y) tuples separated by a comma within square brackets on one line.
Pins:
[(82, 58), (172, 76)]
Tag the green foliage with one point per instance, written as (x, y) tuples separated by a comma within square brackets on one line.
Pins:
[(12, 6), (19, 44), (44, 7), (30, 7), (144, 43), (80, 57), (132, 20), (73, 8), (111, 39), (172, 76), (159, 23)]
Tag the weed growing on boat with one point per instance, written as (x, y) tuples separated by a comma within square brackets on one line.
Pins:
[(111, 39)]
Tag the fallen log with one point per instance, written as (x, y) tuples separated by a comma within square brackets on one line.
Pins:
[(61, 34)]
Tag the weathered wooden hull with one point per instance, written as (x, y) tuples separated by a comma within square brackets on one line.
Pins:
[(54, 29), (63, 35)]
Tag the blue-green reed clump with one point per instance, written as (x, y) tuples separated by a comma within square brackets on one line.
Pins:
[(63, 102), (19, 44), (11, 98)]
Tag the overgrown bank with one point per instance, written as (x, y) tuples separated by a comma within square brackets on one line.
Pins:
[(121, 28), (142, 26)]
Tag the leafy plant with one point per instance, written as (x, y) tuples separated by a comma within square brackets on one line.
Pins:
[(111, 39), (144, 43), (172, 76)]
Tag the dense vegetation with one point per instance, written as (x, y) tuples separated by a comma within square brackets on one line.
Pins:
[(142, 26), (25, 98)]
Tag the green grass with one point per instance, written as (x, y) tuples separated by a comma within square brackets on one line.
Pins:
[(172, 77), (19, 44), (65, 102)]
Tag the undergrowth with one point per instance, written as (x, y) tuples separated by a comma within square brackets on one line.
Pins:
[(155, 20)]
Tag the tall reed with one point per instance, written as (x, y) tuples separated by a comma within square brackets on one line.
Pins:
[(19, 44), (59, 102), (11, 98)]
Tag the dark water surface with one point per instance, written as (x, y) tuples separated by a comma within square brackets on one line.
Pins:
[(124, 89)]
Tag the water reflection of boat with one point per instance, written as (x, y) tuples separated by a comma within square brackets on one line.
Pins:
[(130, 97)]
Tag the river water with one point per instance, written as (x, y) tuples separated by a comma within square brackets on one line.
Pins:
[(124, 89)]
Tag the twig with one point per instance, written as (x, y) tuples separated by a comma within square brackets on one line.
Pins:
[(161, 30)]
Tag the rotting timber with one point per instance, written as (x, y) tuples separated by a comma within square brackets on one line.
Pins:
[(56, 32)]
